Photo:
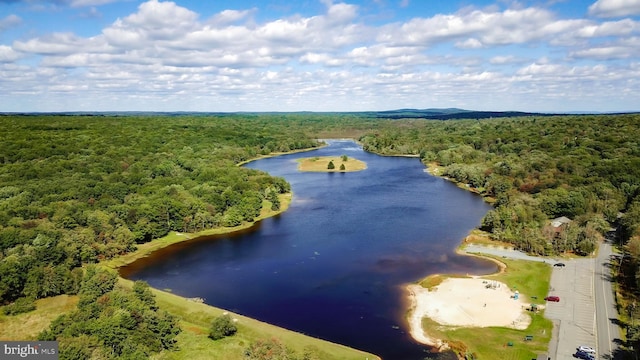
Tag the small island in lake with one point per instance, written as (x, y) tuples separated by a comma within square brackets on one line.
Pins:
[(331, 164)]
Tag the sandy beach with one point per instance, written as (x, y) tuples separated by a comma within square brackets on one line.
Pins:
[(468, 302)]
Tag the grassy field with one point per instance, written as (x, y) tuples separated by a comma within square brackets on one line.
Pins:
[(27, 326), (531, 279), (320, 164), (195, 319)]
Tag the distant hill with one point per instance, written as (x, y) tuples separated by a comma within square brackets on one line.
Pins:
[(449, 113), (427, 114)]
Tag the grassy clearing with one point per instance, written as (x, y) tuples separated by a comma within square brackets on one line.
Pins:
[(320, 164), (27, 326), (493, 342), (531, 279), (196, 318)]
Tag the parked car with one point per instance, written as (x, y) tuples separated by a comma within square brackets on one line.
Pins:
[(559, 264), (584, 355), (553, 298), (586, 349)]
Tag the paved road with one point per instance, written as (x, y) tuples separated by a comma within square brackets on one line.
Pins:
[(585, 313), (504, 252), (606, 313)]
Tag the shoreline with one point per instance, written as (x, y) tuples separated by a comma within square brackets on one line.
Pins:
[(415, 322), (417, 312), (174, 237)]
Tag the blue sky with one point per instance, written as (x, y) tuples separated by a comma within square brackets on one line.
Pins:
[(319, 55)]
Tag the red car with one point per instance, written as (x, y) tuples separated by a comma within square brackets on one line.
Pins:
[(553, 298)]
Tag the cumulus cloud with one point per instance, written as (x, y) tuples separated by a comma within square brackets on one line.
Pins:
[(615, 8), (479, 28), (7, 54), (172, 56), (61, 44), (610, 28)]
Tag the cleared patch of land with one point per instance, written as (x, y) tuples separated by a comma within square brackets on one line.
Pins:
[(340, 164), (27, 326)]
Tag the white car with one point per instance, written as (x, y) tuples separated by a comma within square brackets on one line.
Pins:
[(586, 349)]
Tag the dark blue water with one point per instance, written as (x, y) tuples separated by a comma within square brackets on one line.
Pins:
[(335, 264)]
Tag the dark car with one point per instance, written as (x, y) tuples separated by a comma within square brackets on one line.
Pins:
[(559, 264), (584, 355), (553, 298)]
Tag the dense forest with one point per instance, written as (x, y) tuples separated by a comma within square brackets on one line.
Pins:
[(585, 168), (78, 189)]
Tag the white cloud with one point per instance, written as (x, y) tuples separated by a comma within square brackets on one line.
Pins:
[(628, 48), (610, 28), (164, 56), (539, 69), (61, 44), (8, 55), (603, 53), (155, 21), (341, 13), (615, 8), (226, 17), (504, 59), (478, 28), (469, 44), (321, 58), (9, 22)]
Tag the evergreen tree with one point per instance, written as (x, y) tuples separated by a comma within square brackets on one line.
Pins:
[(331, 166)]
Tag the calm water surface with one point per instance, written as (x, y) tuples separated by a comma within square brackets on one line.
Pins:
[(334, 265)]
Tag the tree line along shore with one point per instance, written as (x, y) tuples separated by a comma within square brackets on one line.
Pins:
[(77, 190)]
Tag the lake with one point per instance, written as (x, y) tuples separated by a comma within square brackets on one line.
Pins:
[(336, 263)]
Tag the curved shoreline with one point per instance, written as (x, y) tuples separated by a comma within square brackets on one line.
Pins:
[(415, 329), (144, 250), (174, 238), (416, 311)]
